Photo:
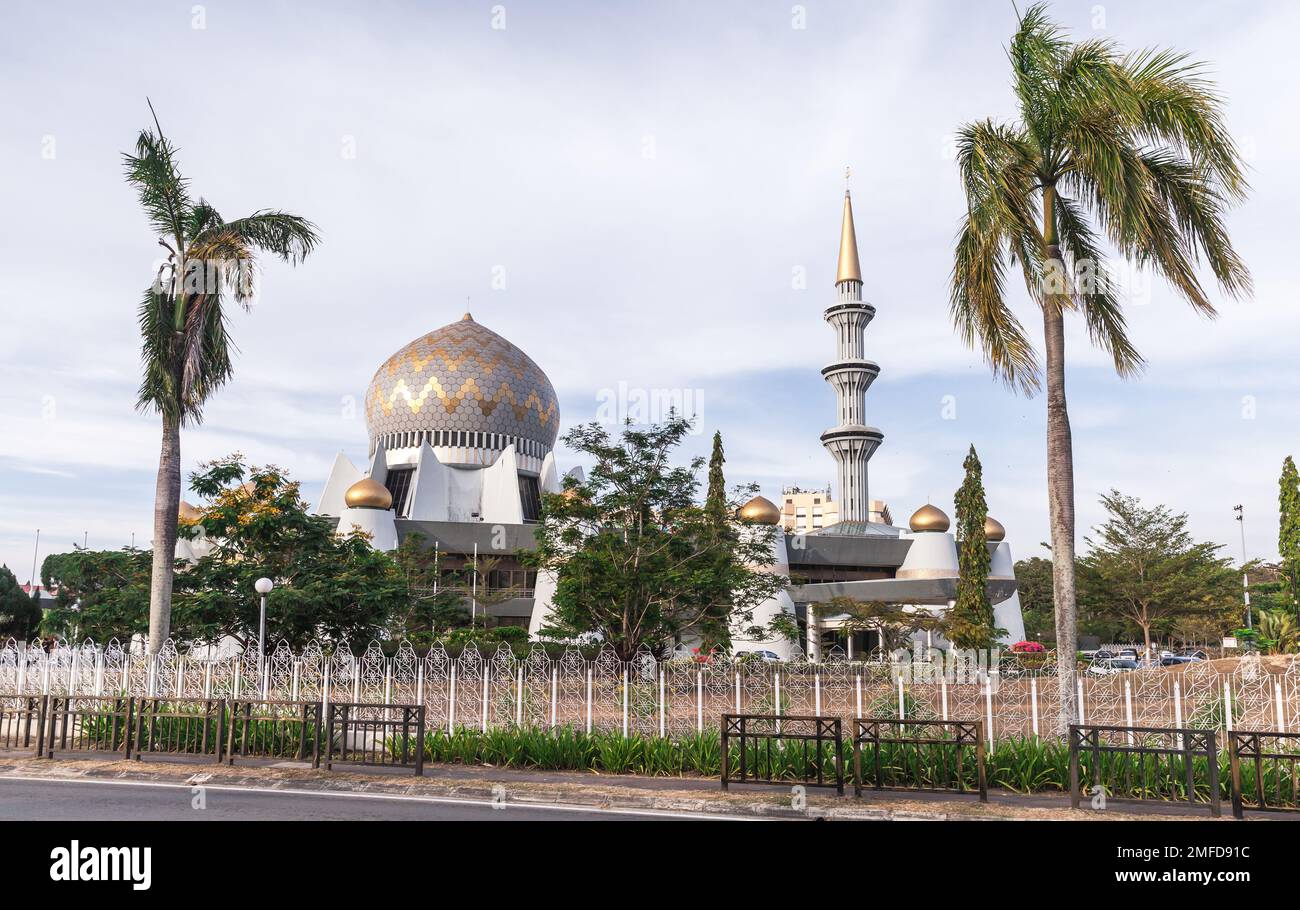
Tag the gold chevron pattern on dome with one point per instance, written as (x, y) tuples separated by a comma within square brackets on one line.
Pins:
[(462, 377)]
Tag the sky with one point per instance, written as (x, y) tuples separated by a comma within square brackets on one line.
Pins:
[(642, 197)]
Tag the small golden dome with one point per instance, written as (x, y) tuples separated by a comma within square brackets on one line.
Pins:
[(188, 512), (993, 530), (368, 493), (929, 518), (760, 510)]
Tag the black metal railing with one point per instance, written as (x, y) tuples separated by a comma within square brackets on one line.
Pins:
[(179, 726), (1143, 763), (808, 750), (926, 755), (22, 721), (274, 729), (1265, 773), (375, 734), (86, 723)]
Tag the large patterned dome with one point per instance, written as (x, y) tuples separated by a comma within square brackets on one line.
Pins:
[(466, 391)]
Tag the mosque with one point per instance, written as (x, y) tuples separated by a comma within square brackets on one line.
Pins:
[(462, 427)]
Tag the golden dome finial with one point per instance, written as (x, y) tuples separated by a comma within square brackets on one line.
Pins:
[(928, 518), (368, 493), (848, 270), (467, 318), (993, 530), (760, 510)]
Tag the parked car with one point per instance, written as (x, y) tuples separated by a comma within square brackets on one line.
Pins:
[(1111, 666), (761, 655)]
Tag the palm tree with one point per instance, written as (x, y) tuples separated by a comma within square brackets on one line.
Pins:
[(186, 350), (1129, 145)]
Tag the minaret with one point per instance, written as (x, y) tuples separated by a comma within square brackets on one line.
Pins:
[(852, 442)]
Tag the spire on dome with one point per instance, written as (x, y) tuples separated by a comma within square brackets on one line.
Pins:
[(848, 270)]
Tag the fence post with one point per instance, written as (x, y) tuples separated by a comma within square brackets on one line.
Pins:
[(519, 696), (1281, 713), (737, 691), (419, 682), (487, 694), (1074, 766), (776, 688), (1178, 703), (817, 692), (625, 699), (988, 704), (726, 754), (902, 705), (1227, 704), (555, 694), (419, 740), (1079, 688), (451, 700), (1213, 762), (699, 701), (979, 765), (1128, 708), (1234, 763), (1033, 702), (589, 674), (857, 688), (662, 717)]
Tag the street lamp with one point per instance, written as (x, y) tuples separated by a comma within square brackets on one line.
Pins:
[(1245, 584), (262, 586)]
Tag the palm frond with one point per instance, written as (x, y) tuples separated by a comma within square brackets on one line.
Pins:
[(1095, 290), (998, 169), (1180, 108), (163, 192), (291, 237)]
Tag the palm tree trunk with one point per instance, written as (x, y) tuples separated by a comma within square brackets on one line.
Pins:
[(1060, 470), (1060, 499), (166, 506)]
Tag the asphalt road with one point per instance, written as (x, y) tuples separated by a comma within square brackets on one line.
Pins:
[(56, 800)]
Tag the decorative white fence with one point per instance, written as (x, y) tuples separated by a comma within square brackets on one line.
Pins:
[(644, 696)]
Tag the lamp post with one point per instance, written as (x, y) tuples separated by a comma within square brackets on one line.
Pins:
[(262, 586), (1245, 585)]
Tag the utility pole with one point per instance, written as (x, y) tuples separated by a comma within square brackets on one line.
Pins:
[(35, 551), (1245, 584)]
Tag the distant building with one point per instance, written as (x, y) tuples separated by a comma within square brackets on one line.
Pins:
[(805, 511)]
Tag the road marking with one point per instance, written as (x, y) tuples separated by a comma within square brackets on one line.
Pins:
[(446, 800)]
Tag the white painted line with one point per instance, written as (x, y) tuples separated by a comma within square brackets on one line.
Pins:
[(446, 800)]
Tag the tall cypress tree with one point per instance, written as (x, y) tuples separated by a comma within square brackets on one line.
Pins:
[(715, 502), (1288, 532), (970, 622)]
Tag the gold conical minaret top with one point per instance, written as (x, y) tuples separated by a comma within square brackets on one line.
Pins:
[(848, 270)]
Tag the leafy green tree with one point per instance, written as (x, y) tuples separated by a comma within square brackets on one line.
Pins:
[(1034, 585), (186, 350), (969, 624), (1144, 567), (20, 612), (1288, 532), (638, 560), (715, 501), (1132, 146), (327, 585), (435, 601), (102, 594)]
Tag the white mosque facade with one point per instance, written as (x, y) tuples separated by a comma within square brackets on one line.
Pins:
[(462, 426)]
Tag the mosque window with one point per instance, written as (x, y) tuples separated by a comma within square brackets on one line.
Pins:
[(398, 483), (530, 497)]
